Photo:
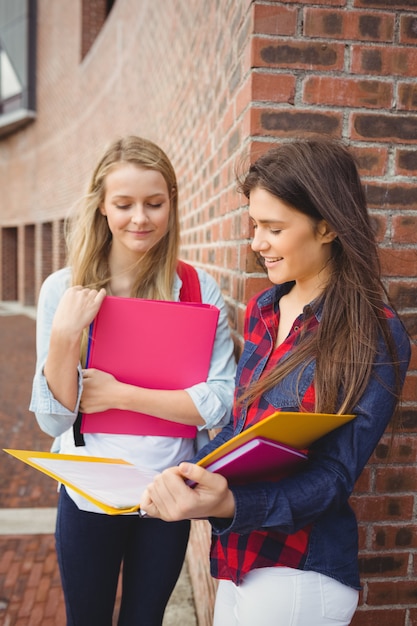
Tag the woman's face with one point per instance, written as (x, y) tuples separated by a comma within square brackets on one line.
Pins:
[(291, 245), (137, 205)]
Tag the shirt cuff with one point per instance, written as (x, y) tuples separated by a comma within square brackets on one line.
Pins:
[(43, 401), (249, 513), (210, 407)]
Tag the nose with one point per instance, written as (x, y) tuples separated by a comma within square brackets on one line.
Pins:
[(259, 243), (139, 215)]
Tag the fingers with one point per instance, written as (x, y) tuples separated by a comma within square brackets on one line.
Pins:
[(77, 308), (166, 497), (171, 498)]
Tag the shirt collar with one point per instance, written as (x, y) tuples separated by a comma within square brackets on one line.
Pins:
[(275, 293)]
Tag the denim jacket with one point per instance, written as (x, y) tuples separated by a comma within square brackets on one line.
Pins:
[(317, 496)]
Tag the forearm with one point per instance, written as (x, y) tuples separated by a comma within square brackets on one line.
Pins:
[(173, 405), (60, 368)]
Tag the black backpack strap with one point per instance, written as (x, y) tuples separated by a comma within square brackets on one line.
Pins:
[(78, 436)]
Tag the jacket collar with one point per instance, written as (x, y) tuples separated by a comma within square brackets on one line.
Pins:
[(273, 295)]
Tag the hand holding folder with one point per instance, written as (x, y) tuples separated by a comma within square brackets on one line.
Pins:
[(117, 486), (149, 343)]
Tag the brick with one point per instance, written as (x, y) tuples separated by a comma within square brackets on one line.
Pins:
[(412, 616), (392, 592), (388, 565), (384, 196), (379, 226), (297, 54), (347, 92), (410, 386), (336, 3), (281, 123), (372, 161), (398, 263), (366, 617), (396, 479), (27, 603), (403, 293), (395, 448), (377, 508), (404, 229), (342, 24), (273, 87), (385, 61), (408, 29), (407, 97), (406, 162), (383, 4), (362, 534), (384, 127), (388, 537), (274, 20), (252, 286)]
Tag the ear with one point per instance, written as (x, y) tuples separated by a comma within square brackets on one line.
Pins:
[(327, 235), (102, 209)]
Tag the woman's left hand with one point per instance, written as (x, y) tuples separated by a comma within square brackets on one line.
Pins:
[(99, 391)]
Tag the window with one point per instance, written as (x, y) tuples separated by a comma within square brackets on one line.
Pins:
[(17, 63)]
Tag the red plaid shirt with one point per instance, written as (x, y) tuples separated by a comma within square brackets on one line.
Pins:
[(233, 555)]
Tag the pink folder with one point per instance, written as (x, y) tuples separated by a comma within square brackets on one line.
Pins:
[(150, 343), (258, 459)]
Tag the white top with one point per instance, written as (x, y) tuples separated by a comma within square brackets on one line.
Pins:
[(212, 398)]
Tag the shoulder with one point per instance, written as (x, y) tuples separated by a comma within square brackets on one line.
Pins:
[(205, 278), (210, 290), (57, 282)]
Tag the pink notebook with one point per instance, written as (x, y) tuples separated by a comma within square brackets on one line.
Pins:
[(154, 344), (258, 459)]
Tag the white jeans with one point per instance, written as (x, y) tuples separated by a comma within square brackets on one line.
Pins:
[(281, 596)]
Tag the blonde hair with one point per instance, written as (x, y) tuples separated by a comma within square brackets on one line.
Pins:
[(89, 238)]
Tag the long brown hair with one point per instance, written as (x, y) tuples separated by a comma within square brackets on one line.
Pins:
[(319, 177)]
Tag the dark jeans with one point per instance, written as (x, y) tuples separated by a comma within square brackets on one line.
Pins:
[(91, 548)]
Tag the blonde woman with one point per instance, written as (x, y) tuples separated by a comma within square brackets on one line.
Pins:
[(123, 242)]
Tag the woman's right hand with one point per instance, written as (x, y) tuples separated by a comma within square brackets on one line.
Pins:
[(77, 309), (171, 499)]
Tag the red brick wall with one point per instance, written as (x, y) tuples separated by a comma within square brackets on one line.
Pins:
[(214, 83), (93, 16)]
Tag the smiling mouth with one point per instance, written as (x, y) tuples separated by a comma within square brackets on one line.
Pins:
[(271, 260)]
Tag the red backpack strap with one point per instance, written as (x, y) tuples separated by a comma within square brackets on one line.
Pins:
[(191, 289)]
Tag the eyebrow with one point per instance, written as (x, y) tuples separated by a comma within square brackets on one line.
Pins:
[(267, 221), (151, 195)]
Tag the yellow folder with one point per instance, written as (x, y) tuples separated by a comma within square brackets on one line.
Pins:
[(298, 430), (116, 486)]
